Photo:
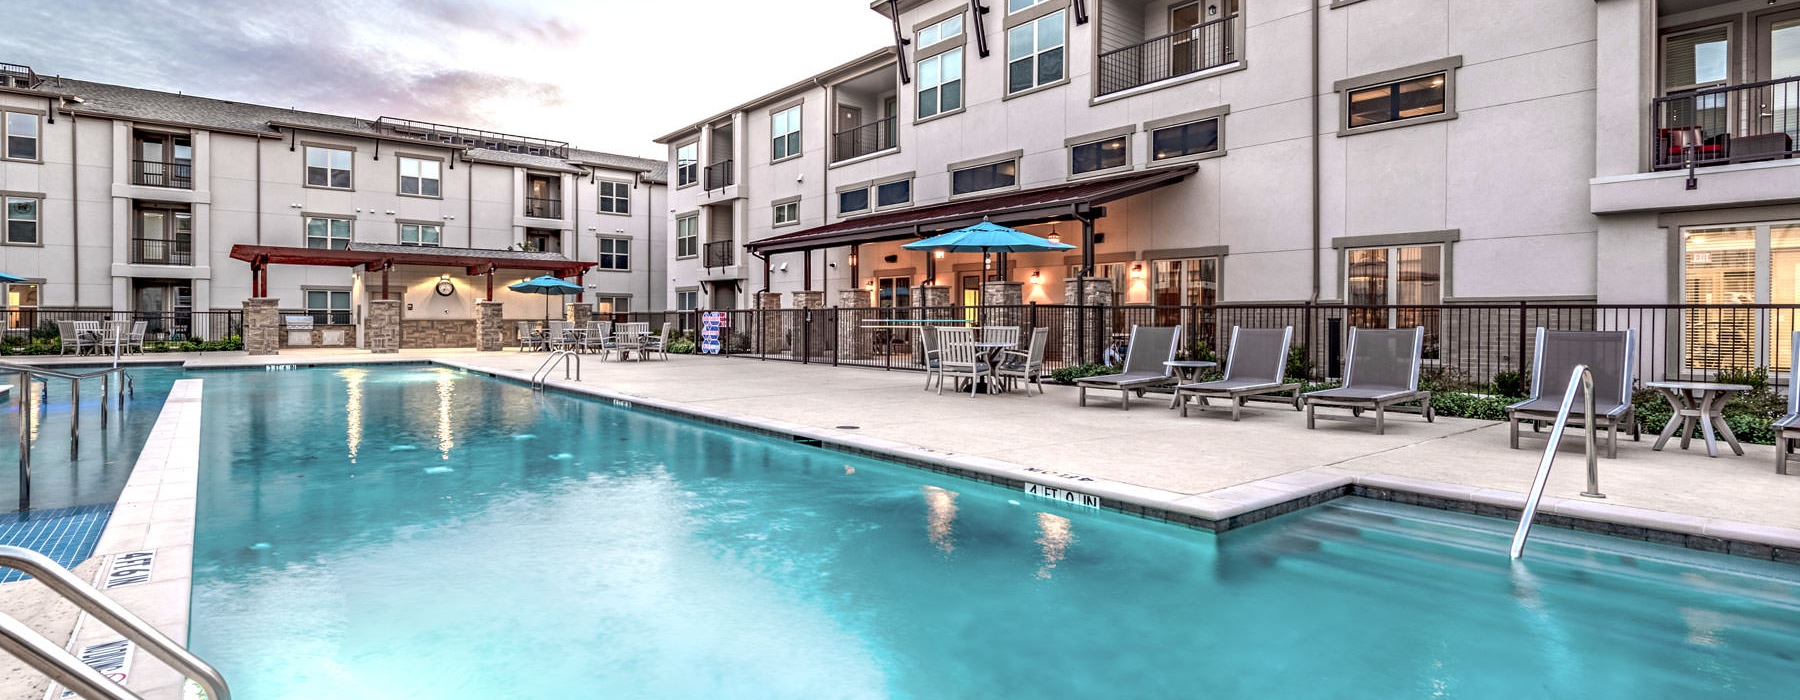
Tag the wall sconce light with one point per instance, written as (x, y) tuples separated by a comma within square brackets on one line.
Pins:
[(1037, 277), (1137, 270), (783, 267), (852, 258), (869, 285), (444, 277), (937, 254)]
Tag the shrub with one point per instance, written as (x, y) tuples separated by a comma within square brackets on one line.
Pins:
[(1509, 383), (1299, 364), (1757, 378), (1461, 405), (1068, 375), (681, 346)]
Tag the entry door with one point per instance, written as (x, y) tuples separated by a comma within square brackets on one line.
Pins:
[(1778, 57), (971, 296), (724, 296), (1181, 19)]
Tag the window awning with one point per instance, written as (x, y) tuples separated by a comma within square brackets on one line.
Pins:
[(1019, 208), (376, 256)]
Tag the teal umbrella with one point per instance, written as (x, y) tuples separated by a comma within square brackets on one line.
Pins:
[(10, 279), (987, 237), (547, 286)]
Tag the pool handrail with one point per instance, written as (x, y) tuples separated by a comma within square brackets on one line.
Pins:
[(541, 375), (63, 667), (28, 375), (1580, 379)]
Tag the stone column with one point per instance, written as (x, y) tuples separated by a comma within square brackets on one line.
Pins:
[(1089, 331), (578, 314), (262, 326), (767, 326), (933, 302), (853, 342), (381, 326), (490, 327)]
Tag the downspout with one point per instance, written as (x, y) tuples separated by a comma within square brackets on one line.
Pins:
[(74, 198), (825, 175), (575, 236), (637, 182), (1317, 226), (469, 197)]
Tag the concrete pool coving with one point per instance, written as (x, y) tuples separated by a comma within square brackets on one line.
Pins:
[(1243, 504)]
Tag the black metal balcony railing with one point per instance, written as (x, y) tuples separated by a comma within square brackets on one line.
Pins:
[(162, 251), (719, 175), (156, 173), (1172, 55), (855, 142), (541, 208), (720, 253), (1729, 124)]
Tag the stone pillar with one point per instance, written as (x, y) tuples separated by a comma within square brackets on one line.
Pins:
[(1089, 330), (262, 326), (1003, 302), (933, 302), (809, 300), (578, 314), (854, 343), (490, 327), (381, 326), (769, 321)]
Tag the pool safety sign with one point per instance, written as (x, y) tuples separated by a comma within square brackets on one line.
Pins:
[(130, 568), (1074, 498), (712, 328), (112, 659)]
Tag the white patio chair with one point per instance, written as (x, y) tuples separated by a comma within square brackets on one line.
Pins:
[(1026, 365), (958, 357), (598, 333), (529, 338), (1000, 334), (134, 342), (71, 338), (659, 343)]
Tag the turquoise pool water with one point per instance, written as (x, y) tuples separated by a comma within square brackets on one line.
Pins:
[(423, 533)]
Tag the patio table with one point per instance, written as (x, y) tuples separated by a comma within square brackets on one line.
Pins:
[(989, 353), (1697, 402), (1186, 372)]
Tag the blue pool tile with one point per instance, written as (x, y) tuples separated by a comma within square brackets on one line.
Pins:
[(66, 535)]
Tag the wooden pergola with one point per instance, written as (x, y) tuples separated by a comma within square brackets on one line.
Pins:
[(383, 257)]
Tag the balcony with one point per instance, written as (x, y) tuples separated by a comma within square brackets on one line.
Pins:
[(719, 175), (156, 173), (860, 141), (1202, 47), (721, 253), (543, 208), (162, 251), (1729, 124)]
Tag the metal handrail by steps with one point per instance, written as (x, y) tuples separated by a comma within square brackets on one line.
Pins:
[(542, 374), (1582, 380), (27, 392), (62, 666)]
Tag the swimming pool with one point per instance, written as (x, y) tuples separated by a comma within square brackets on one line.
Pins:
[(425, 533)]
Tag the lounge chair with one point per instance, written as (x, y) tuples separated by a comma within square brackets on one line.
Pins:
[(1382, 374), (957, 357), (1256, 365), (1151, 347), (1026, 365), (1787, 428), (1610, 355)]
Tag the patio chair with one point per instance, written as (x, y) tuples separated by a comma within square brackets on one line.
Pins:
[(1256, 366), (1150, 348), (1027, 366), (929, 356), (958, 357), (1000, 334), (628, 338), (659, 343), (1382, 374), (72, 339), (559, 336), (1787, 428), (598, 333), (529, 339), (134, 341), (1610, 355)]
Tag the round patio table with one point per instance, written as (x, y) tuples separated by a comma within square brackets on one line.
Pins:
[(1186, 371), (1697, 403)]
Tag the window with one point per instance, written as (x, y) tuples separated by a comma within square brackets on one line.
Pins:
[(421, 177), (327, 167), (687, 164), (947, 29), (22, 300), (1375, 278), (1098, 155), (421, 234), (615, 254), (1406, 99), (165, 235), (1742, 264), (984, 177), (687, 236), (22, 221), (1034, 53), (1696, 59), (687, 299), (856, 200), (162, 159), (326, 232), (889, 194), (940, 83), (328, 306), (784, 133), (1018, 5), (615, 197), (1187, 282), (612, 305), (1184, 139), (21, 136), (787, 213), (543, 241)]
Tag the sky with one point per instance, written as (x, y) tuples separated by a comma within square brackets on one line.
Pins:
[(608, 75)]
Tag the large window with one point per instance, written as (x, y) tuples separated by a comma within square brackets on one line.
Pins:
[(21, 136), (328, 167), (893, 194), (940, 83), (327, 232), (1378, 279), (421, 177), (612, 304), (421, 234), (615, 197), (1105, 154), (22, 299), (1696, 59), (1187, 139), (784, 133), (1178, 285), (1034, 53), (1412, 98), (1732, 265), (22, 221), (687, 164), (615, 254), (328, 306), (984, 177), (687, 236)]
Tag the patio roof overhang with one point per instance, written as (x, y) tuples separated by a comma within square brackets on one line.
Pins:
[(1037, 205), (475, 261)]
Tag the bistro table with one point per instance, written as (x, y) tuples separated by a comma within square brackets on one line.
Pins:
[(989, 352), (1697, 402), (1186, 372)]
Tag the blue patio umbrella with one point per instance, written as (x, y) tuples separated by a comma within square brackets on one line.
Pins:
[(9, 279), (547, 286), (987, 237)]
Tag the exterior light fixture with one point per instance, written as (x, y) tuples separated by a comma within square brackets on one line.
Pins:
[(1037, 277), (869, 285), (1054, 237), (852, 258), (938, 254), (1137, 270)]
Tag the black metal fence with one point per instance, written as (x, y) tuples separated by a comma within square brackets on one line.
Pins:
[(47, 323), (1729, 124), (1171, 55), (1466, 344), (721, 253)]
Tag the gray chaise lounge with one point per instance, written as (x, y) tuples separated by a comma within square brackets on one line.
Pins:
[(1151, 347), (1610, 355), (1382, 374), (1256, 365), (1787, 428)]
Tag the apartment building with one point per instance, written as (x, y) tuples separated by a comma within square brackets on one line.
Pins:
[(1354, 151), (134, 200)]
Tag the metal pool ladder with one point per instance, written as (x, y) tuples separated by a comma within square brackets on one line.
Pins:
[(62, 666), (1581, 379), (566, 357), (27, 393)]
